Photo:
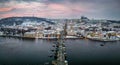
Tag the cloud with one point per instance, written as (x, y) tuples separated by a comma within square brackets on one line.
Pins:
[(61, 8), (5, 9)]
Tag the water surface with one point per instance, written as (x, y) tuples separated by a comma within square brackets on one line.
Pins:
[(14, 51)]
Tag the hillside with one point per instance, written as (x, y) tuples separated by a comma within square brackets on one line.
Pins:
[(19, 20)]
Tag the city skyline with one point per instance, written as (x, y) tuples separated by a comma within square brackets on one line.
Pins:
[(98, 9)]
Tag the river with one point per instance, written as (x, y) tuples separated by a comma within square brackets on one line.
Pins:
[(18, 51)]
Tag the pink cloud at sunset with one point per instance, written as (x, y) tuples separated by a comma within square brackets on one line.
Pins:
[(5, 9), (60, 8), (39, 9)]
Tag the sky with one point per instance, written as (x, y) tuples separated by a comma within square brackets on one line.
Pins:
[(94, 9)]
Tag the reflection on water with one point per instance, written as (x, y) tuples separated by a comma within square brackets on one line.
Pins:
[(24, 51), (37, 51), (92, 53)]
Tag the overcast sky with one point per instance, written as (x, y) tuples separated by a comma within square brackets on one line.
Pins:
[(97, 9)]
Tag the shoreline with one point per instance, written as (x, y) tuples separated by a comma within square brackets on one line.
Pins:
[(44, 38)]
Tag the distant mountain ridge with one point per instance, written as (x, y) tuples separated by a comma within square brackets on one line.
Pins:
[(20, 20)]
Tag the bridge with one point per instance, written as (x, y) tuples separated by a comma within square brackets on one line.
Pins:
[(60, 54)]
